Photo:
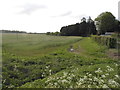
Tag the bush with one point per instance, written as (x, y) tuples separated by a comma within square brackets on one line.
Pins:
[(110, 42), (53, 33)]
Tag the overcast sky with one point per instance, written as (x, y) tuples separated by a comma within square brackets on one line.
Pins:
[(50, 15)]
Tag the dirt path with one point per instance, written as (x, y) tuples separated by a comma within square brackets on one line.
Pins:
[(111, 53), (77, 50)]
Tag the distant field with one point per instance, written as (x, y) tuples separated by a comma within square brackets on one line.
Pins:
[(34, 44)]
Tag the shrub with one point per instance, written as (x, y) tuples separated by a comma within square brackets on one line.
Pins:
[(110, 42)]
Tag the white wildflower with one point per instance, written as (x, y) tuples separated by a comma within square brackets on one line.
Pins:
[(50, 84), (90, 75), (98, 71), (109, 68), (116, 64), (89, 86), (65, 73), (107, 74), (87, 73), (85, 77), (50, 70), (81, 80), (97, 87), (69, 74), (113, 83), (117, 76), (103, 76), (90, 79), (105, 86), (102, 81), (79, 83), (64, 81), (47, 67), (99, 68), (61, 77), (71, 86), (42, 75), (55, 84), (96, 79), (59, 81), (72, 75), (4, 80), (94, 83), (69, 78), (15, 67)]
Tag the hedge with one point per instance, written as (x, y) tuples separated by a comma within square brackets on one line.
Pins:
[(110, 42)]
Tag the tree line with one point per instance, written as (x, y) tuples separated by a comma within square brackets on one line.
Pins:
[(85, 28), (105, 22), (13, 31)]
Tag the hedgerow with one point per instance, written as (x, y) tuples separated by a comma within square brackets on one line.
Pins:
[(110, 42)]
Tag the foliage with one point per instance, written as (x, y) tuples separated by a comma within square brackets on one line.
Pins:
[(117, 26), (110, 42), (59, 67), (13, 31), (87, 70), (79, 29), (94, 76), (28, 65), (53, 33), (107, 22)]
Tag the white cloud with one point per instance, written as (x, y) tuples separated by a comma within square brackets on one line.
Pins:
[(68, 13), (29, 8)]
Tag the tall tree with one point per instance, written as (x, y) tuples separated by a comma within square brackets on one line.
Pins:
[(91, 26), (117, 26), (106, 22)]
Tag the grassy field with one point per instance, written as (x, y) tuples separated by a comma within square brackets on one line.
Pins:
[(34, 44), (41, 61)]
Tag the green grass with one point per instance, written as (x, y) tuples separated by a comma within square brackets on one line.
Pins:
[(87, 67), (34, 44), (80, 77), (84, 71)]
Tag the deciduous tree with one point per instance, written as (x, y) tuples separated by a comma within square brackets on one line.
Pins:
[(106, 22)]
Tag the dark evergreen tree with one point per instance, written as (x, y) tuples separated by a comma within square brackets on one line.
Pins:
[(91, 27), (79, 29)]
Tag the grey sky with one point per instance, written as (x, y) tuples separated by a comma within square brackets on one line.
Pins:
[(30, 8), (119, 10), (50, 15), (64, 14)]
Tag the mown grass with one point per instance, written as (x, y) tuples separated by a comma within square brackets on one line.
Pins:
[(87, 67)]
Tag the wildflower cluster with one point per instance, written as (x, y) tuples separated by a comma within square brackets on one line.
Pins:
[(71, 79), (47, 71)]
